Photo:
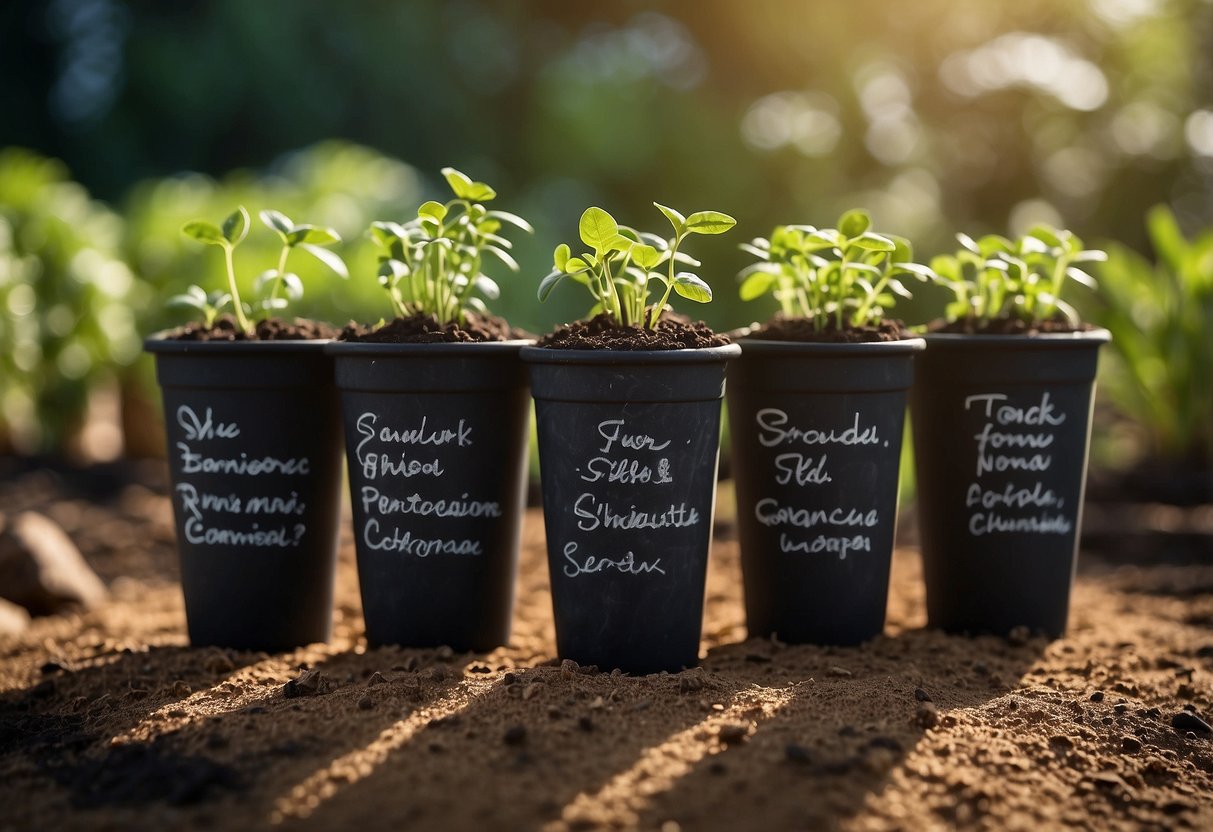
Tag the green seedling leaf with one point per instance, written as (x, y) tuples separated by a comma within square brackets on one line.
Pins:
[(266, 277), (596, 228), (276, 221), (919, 271), (512, 219), (393, 269), (873, 242), (235, 227), (645, 256), (709, 222), (575, 264), (676, 219), (328, 258), (460, 183), (549, 283), (757, 283), (992, 245), (969, 243), (854, 222), (186, 301), (204, 232), (619, 243), (560, 257), (487, 286), (435, 210), (312, 234), (1046, 235), (294, 286), (692, 287), (502, 255), (1079, 276)]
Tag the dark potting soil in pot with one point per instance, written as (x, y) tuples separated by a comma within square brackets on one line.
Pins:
[(783, 328), (1005, 326), (225, 328), (422, 328), (673, 332)]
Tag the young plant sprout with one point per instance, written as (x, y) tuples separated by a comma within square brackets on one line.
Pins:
[(844, 277), (207, 305), (228, 236), (623, 262), (433, 264), (995, 278), (270, 283), (308, 238)]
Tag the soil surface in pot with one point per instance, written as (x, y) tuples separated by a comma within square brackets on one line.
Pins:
[(782, 328), (673, 332), (1006, 326), (272, 329), (107, 719), (422, 328)]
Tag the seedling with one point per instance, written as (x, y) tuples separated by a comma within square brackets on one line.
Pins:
[(845, 276), (272, 282), (207, 305), (269, 284), (228, 236), (624, 261), (995, 278), (433, 264)]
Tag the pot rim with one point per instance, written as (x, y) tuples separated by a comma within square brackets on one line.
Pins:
[(702, 355), (1042, 340), (159, 344), (856, 349), (350, 349)]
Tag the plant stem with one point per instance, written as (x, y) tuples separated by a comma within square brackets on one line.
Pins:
[(241, 319), (669, 286), (286, 250)]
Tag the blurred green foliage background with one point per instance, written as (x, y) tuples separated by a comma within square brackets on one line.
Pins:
[(937, 116)]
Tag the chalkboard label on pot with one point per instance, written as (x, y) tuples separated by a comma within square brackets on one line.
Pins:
[(436, 446), (816, 431), (628, 448), (254, 460), (1001, 431)]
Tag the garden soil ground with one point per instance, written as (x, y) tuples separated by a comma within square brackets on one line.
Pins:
[(108, 720)]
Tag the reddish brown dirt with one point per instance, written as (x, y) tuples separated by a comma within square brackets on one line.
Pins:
[(673, 332), (781, 328), (271, 329), (425, 329), (108, 719)]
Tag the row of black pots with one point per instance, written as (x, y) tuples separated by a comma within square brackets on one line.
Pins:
[(435, 438)]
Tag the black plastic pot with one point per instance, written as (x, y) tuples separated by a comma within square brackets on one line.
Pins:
[(436, 443), (816, 432), (254, 451), (628, 447), (1001, 430)]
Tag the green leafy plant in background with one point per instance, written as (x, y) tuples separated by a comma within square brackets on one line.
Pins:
[(835, 277), (433, 264), (68, 329), (994, 278), (269, 283), (624, 261), (1160, 314)]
